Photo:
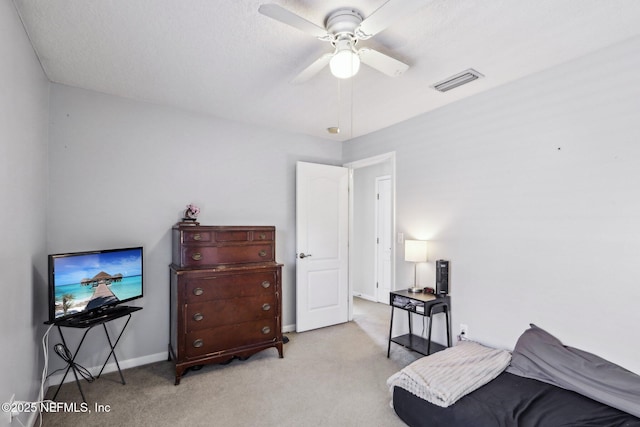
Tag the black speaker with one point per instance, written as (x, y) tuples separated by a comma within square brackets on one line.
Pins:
[(442, 277)]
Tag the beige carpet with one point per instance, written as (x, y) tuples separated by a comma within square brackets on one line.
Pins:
[(333, 376)]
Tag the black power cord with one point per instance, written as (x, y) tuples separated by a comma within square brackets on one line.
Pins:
[(64, 353)]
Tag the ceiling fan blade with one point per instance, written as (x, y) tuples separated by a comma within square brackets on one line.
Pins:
[(313, 69), (285, 16), (385, 15), (381, 62)]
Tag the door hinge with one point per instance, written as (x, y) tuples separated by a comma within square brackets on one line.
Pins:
[(378, 196), (377, 240), (376, 285)]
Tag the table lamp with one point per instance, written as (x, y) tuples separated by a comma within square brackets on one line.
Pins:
[(415, 251)]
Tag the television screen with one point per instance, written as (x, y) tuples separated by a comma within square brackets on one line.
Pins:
[(83, 282)]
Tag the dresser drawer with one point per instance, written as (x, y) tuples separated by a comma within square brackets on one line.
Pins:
[(226, 286), (209, 314), (233, 236), (199, 343), (202, 256), (263, 235), (196, 236)]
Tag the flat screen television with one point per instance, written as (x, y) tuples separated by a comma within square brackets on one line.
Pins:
[(84, 283)]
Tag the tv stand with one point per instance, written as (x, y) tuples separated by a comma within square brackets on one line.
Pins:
[(88, 322)]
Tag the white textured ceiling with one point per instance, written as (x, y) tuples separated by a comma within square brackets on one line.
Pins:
[(224, 58)]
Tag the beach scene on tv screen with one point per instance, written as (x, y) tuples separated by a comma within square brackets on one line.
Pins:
[(88, 281)]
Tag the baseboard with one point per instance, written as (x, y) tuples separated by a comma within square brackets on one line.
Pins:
[(129, 363), (363, 296), (111, 367)]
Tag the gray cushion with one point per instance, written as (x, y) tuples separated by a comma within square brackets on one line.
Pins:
[(541, 356)]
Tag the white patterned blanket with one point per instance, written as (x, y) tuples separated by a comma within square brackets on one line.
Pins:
[(444, 377)]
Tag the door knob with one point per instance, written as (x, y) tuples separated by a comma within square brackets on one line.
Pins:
[(303, 255)]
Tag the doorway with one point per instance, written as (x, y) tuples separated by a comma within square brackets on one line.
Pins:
[(371, 268)]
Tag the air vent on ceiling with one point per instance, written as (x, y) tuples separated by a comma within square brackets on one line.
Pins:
[(457, 80)]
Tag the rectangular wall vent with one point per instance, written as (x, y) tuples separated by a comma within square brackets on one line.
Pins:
[(459, 79)]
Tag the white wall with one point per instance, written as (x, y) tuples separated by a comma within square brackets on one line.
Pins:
[(532, 190), (23, 194), (122, 173)]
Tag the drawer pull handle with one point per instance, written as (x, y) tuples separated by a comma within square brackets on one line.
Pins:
[(266, 330), (198, 317), (197, 236), (197, 256), (198, 291), (266, 307), (262, 236), (266, 284), (262, 253), (198, 343)]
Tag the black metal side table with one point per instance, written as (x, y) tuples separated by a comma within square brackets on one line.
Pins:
[(89, 323), (425, 305)]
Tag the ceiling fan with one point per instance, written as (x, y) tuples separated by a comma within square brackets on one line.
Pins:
[(344, 28)]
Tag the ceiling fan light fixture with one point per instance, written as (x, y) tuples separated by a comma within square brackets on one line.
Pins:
[(345, 63), (344, 28)]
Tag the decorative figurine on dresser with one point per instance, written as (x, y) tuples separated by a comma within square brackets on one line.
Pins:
[(225, 294)]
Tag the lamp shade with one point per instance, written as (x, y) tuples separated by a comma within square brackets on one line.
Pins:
[(415, 250)]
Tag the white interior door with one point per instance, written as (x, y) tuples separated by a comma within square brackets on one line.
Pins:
[(322, 287), (383, 238)]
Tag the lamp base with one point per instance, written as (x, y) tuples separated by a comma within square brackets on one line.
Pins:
[(415, 290)]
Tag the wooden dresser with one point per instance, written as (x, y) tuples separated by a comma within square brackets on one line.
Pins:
[(225, 294)]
